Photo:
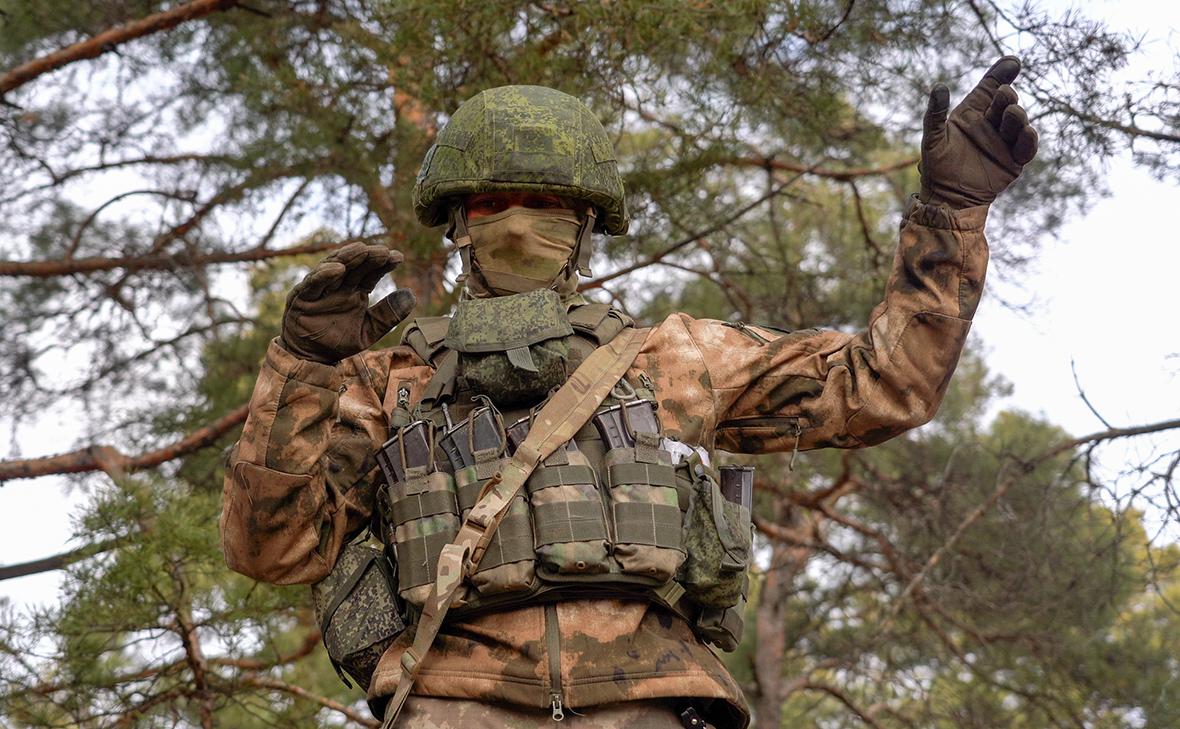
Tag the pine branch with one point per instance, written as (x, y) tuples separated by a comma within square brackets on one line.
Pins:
[(310, 642), (111, 460), (108, 39), (1011, 478)]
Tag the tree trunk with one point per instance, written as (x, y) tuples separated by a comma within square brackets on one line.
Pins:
[(786, 562)]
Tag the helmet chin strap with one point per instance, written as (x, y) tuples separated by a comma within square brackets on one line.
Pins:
[(585, 248), (457, 232)]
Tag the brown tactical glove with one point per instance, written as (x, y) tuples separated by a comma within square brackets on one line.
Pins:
[(982, 150), (328, 316)]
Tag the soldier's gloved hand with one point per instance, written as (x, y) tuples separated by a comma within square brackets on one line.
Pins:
[(328, 316), (971, 158)]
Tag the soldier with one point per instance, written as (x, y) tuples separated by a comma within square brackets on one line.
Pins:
[(619, 561)]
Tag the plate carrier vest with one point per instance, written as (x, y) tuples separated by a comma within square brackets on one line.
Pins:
[(622, 511)]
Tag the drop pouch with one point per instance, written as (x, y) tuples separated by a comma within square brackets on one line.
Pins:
[(512, 349), (358, 611), (718, 539)]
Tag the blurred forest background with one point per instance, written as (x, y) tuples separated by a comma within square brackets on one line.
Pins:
[(170, 169)]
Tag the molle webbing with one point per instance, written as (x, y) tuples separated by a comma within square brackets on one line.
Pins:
[(416, 557), (560, 476), (417, 506), (656, 525), (569, 521)]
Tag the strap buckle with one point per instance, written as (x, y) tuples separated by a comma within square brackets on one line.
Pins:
[(410, 663)]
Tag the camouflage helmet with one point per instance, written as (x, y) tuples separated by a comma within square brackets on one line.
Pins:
[(526, 139)]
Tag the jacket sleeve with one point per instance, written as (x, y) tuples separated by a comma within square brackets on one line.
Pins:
[(754, 390), (298, 482)]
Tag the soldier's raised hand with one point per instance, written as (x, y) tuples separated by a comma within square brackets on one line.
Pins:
[(972, 156), (328, 316)]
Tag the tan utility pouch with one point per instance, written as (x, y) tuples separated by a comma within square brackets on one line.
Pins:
[(646, 511), (509, 564), (641, 483), (357, 610), (479, 441)]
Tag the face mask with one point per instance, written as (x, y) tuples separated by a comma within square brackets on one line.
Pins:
[(523, 249)]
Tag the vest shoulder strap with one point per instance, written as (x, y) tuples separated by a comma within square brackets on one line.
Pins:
[(425, 336), (599, 322)]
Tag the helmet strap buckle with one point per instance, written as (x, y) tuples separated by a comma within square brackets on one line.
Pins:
[(584, 246), (462, 238)]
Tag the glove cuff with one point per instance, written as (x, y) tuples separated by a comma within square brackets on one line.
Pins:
[(290, 363), (932, 214)]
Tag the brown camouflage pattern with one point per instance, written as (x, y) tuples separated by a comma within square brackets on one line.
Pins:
[(298, 481), (427, 713)]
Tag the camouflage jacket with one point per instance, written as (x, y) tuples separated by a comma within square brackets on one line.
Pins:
[(296, 483)]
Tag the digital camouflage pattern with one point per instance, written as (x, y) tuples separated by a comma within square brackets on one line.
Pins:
[(507, 322), (512, 348), (718, 540), (364, 617), (522, 139), (299, 480)]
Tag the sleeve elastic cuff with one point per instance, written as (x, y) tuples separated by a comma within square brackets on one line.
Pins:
[(942, 216), (301, 370)]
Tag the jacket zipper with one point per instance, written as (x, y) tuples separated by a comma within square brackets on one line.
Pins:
[(553, 641), (796, 424), (744, 328)]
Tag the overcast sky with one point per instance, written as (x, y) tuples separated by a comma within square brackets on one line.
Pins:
[(1104, 295)]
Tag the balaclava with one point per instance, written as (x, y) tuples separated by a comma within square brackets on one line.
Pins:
[(522, 249)]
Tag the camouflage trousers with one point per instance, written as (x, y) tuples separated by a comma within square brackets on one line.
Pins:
[(422, 712)]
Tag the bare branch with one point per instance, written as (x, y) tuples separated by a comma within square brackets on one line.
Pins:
[(108, 39), (299, 691), (831, 31), (167, 261), (108, 459), (845, 175), (1073, 367), (865, 228), (57, 561), (865, 715)]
